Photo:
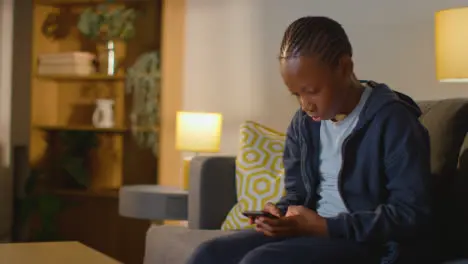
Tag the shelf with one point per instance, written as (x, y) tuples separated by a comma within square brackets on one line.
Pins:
[(81, 128), (111, 193), (144, 129), (95, 129), (66, 77), (85, 2)]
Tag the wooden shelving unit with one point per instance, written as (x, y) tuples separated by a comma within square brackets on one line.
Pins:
[(82, 128), (75, 78), (65, 103), (84, 2)]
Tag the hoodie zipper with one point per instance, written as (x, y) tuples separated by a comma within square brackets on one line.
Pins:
[(305, 177), (340, 174)]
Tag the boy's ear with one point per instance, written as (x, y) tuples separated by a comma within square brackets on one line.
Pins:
[(346, 66)]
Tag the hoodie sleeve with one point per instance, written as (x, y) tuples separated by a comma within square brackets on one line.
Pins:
[(407, 168), (295, 192)]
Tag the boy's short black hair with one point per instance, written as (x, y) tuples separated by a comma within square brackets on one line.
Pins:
[(316, 35)]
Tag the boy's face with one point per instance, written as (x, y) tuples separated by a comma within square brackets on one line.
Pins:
[(320, 88)]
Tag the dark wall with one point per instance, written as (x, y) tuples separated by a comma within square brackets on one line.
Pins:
[(20, 104)]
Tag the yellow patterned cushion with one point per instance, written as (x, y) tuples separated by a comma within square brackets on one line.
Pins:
[(259, 172)]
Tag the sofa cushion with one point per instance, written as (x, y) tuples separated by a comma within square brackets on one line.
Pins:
[(175, 244), (447, 123), (461, 195), (259, 172), (463, 151)]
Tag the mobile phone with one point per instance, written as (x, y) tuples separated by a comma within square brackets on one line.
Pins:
[(256, 214)]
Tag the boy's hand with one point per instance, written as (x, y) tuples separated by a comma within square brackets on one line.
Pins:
[(272, 209), (298, 221), (269, 208)]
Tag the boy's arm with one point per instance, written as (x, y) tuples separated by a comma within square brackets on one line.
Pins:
[(407, 167), (295, 192)]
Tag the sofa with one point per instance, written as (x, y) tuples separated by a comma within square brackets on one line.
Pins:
[(212, 192)]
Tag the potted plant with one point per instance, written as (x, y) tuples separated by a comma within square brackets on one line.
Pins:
[(107, 24)]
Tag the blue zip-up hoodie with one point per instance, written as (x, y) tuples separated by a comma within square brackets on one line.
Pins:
[(384, 178)]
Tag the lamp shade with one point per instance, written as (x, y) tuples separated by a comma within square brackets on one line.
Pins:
[(198, 132), (451, 45)]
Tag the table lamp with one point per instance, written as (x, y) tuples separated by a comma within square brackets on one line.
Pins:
[(451, 45), (197, 132)]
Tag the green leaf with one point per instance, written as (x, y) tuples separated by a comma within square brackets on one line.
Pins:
[(31, 182), (28, 206), (49, 206), (118, 21), (47, 234), (74, 166)]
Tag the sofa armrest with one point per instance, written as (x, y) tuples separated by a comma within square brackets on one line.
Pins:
[(212, 191)]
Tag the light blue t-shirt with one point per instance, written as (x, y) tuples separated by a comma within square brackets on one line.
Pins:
[(332, 135)]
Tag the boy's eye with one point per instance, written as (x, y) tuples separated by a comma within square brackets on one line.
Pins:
[(312, 91), (309, 90)]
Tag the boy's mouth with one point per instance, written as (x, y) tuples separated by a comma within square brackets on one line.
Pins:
[(314, 117)]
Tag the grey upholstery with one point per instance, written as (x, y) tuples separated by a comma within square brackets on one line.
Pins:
[(447, 123), (212, 191), (153, 202), (173, 245), (212, 184)]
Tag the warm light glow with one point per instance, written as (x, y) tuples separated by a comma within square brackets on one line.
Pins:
[(451, 45), (198, 132), (186, 172)]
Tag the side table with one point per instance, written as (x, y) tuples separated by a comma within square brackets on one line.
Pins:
[(153, 202)]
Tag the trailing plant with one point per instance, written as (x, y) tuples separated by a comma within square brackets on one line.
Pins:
[(41, 204), (143, 83), (69, 161), (74, 158), (105, 22)]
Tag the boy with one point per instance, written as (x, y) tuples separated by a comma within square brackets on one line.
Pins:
[(356, 164)]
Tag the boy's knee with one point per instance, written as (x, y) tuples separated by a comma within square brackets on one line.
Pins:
[(259, 256), (205, 253)]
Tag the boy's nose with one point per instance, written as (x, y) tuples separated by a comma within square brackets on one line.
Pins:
[(309, 107)]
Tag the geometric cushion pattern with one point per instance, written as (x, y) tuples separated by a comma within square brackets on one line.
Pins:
[(259, 172)]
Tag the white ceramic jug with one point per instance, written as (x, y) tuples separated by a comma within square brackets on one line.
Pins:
[(103, 116)]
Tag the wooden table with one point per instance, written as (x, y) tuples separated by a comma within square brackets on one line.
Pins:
[(51, 253)]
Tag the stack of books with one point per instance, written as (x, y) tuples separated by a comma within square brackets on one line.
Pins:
[(67, 63)]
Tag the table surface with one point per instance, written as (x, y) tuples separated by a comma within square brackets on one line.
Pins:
[(51, 253)]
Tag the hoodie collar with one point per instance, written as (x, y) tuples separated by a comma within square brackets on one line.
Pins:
[(382, 96)]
